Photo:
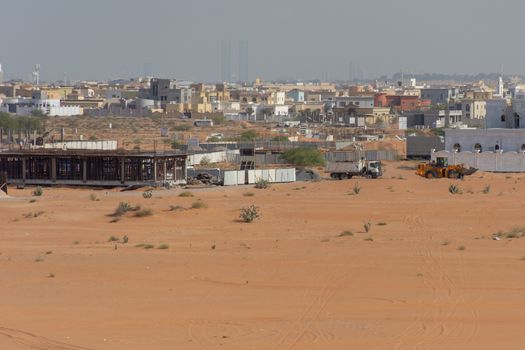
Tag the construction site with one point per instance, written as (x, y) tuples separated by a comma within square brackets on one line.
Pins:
[(92, 167)]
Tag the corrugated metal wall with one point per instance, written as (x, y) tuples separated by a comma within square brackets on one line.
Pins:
[(236, 177), (486, 161), (351, 156)]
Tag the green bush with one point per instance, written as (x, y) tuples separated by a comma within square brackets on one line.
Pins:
[(262, 184), (249, 135), (249, 214), (182, 127), (218, 119), (346, 233), (123, 208), (304, 157), (198, 205), (147, 194), (357, 188), (37, 192), (453, 189), (143, 213), (186, 194), (176, 145)]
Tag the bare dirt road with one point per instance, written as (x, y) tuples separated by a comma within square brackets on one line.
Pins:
[(427, 275)]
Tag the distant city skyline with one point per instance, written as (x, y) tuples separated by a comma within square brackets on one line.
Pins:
[(274, 40)]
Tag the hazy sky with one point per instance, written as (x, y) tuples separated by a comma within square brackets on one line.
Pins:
[(303, 39)]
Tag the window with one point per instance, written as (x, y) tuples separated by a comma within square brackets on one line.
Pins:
[(503, 117), (496, 147), (478, 148), (457, 147), (523, 147)]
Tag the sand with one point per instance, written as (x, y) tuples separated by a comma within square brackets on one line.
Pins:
[(426, 276)]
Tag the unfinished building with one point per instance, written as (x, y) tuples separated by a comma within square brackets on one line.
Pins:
[(92, 168)]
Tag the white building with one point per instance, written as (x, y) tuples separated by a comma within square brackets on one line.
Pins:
[(484, 140), (496, 110), (51, 107)]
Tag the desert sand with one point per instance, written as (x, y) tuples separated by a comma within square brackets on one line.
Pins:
[(427, 275)]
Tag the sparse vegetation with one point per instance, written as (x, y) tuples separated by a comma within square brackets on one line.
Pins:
[(248, 194), (367, 226), (199, 205), (176, 207), (304, 157), (249, 135), (205, 161), (454, 189), (382, 223), (141, 213), (163, 246), (148, 246), (486, 189), (516, 232), (346, 233), (249, 214), (182, 127), (462, 247), (93, 197), (122, 209), (51, 275), (32, 200), (445, 243), (369, 239), (33, 214), (262, 184), (357, 188), (113, 239), (37, 192), (186, 194), (147, 194)]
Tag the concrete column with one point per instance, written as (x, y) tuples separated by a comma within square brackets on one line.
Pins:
[(84, 170), (165, 168), (53, 169), (24, 170), (122, 169), (155, 170)]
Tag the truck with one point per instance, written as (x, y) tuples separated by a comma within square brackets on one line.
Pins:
[(348, 169)]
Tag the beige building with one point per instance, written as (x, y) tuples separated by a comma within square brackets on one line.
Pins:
[(474, 109)]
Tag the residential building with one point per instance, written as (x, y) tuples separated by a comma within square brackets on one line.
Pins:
[(439, 96)]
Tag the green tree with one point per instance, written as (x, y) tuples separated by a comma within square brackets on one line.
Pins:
[(38, 113), (249, 135), (304, 157), (218, 119)]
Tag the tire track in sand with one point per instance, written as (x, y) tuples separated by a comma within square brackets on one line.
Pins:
[(33, 341), (422, 334)]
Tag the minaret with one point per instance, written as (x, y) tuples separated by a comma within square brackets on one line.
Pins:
[(500, 87)]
